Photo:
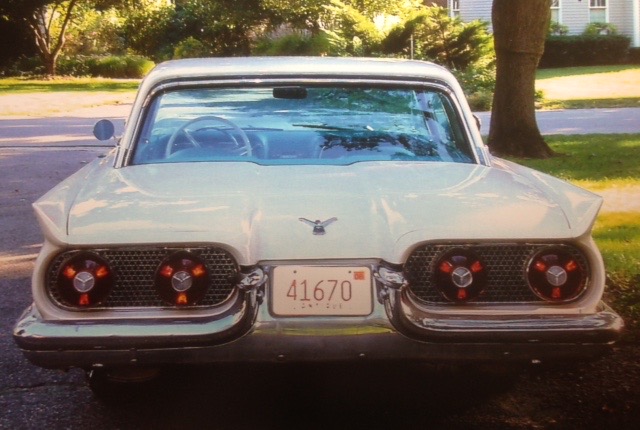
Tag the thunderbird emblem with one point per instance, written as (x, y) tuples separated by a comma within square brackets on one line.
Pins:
[(318, 226)]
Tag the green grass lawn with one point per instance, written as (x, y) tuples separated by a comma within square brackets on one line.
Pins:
[(618, 234), (546, 74), (595, 162), (22, 85), (590, 87)]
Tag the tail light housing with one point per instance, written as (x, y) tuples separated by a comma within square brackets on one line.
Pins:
[(460, 275), (182, 279), (84, 280), (556, 275)]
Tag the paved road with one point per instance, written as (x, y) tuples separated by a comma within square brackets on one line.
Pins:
[(581, 121), (63, 131), (75, 128)]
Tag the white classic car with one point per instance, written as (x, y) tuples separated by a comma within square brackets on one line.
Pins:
[(303, 209)]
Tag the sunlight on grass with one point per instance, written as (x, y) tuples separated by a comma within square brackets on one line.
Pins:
[(542, 74), (593, 161), (618, 236), (584, 83), (612, 103), (20, 85)]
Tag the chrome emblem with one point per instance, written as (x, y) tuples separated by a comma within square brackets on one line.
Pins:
[(556, 276), (318, 226), (84, 282), (462, 277)]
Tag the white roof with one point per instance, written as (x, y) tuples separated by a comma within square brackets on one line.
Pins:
[(292, 67)]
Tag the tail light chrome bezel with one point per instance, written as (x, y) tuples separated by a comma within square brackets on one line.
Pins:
[(558, 274), (460, 275), (182, 279), (84, 280)]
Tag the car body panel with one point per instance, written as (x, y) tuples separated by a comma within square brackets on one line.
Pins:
[(121, 206), (375, 215)]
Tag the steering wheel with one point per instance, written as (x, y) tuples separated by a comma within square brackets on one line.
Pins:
[(245, 145)]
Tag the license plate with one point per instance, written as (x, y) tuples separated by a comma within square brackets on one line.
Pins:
[(321, 291)]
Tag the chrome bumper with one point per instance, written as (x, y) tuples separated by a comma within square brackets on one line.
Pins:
[(249, 333)]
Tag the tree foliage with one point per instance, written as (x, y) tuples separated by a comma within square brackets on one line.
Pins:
[(440, 38), (298, 42), (49, 24), (316, 14), (165, 29), (360, 34), (49, 21), (450, 42), (152, 32), (12, 22), (222, 28)]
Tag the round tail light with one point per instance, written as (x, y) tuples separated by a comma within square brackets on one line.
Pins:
[(460, 275), (84, 280), (182, 279), (556, 275)]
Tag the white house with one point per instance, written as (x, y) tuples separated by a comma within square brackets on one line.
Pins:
[(575, 14)]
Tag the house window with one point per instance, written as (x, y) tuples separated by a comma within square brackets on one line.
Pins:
[(555, 11), (597, 10), (455, 8)]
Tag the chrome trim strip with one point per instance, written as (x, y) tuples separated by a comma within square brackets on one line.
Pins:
[(252, 334), (33, 333), (602, 327)]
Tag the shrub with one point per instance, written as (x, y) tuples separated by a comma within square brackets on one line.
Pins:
[(600, 29), (294, 43), (440, 38), (478, 82), (634, 56), (570, 51), (131, 66), (73, 66), (24, 66), (557, 29), (480, 101), (190, 48), (120, 67)]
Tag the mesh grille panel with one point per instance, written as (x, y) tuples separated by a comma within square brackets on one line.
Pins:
[(505, 263), (135, 271)]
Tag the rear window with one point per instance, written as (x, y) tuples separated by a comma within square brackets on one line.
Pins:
[(301, 125)]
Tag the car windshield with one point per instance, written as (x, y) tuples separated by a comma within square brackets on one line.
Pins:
[(301, 125)]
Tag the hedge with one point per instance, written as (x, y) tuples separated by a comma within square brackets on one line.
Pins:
[(570, 51), (634, 56), (112, 66)]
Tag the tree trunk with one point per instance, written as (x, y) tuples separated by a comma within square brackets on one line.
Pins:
[(50, 63), (42, 22), (519, 28)]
